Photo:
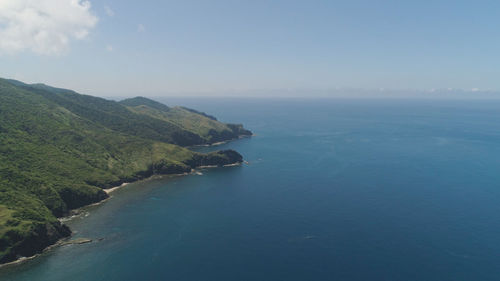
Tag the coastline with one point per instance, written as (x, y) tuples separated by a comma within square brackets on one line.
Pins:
[(61, 242), (78, 211), (193, 171), (109, 190)]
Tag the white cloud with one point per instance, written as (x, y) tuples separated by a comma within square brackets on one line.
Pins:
[(43, 26), (109, 11), (141, 28), (109, 48)]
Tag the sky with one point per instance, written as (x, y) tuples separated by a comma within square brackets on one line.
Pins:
[(252, 48)]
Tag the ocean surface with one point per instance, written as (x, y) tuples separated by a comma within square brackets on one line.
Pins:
[(335, 189)]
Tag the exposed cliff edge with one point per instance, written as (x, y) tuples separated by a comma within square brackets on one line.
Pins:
[(39, 237), (60, 149)]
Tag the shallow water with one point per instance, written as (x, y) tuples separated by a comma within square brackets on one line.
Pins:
[(334, 190)]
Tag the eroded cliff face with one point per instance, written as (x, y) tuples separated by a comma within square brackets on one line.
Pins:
[(75, 199), (218, 158), (39, 237)]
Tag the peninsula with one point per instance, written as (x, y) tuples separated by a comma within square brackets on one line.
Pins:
[(60, 150)]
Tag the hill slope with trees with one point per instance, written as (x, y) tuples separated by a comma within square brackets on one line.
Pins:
[(60, 149)]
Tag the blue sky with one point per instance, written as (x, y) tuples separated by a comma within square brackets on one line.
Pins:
[(152, 48)]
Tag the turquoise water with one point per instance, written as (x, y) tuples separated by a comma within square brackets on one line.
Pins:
[(334, 190)]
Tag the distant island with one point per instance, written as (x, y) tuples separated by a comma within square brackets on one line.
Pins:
[(60, 150)]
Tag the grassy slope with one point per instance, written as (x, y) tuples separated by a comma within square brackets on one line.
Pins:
[(190, 120), (58, 149)]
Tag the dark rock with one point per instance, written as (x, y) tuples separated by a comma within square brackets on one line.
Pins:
[(218, 158), (34, 242)]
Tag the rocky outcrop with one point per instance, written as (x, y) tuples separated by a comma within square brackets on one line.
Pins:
[(79, 197), (218, 158), (239, 130), (33, 242), (236, 131)]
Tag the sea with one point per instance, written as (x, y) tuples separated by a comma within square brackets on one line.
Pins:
[(333, 189)]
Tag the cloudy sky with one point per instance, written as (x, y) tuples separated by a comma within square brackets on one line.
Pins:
[(152, 48)]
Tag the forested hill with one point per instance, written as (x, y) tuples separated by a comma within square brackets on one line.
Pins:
[(59, 149), (190, 120)]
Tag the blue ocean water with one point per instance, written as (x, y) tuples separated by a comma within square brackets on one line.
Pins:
[(334, 190)]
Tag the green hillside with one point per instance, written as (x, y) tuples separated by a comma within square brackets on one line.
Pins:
[(187, 119), (59, 149)]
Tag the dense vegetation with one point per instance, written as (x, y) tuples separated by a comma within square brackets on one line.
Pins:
[(59, 149), (186, 119)]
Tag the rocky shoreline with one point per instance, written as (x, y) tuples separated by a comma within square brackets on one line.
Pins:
[(49, 236)]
